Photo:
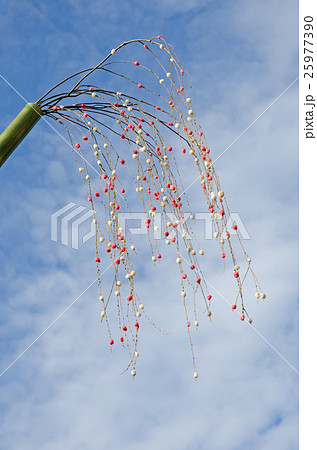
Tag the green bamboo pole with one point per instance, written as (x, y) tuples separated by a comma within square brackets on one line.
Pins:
[(14, 134)]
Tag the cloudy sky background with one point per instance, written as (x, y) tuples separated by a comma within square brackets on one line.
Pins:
[(66, 391)]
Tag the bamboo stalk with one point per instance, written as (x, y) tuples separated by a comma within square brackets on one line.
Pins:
[(14, 134)]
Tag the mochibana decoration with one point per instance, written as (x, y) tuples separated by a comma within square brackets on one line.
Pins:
[(140, 137)]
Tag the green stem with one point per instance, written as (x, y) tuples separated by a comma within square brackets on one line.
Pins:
[(14, 134)]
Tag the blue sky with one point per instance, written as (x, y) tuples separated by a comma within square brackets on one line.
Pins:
[(66, 391)]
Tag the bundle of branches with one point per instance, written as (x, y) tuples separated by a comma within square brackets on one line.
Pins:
[(138, 137)]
